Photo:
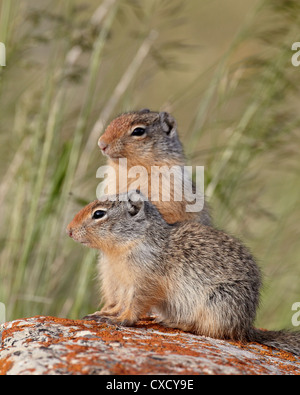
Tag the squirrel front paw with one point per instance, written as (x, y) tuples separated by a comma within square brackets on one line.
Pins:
[(120, 321), (96, 317)]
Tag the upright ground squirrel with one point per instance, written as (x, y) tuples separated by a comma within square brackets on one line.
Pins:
[(149, 139), (193, 277)]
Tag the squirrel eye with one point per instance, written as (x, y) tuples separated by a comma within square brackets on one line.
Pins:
[(99, 214), (138, 132)]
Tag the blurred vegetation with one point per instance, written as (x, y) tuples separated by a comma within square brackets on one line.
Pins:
[(224, 72)]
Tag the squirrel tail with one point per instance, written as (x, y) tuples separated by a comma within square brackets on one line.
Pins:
[(284, 340)]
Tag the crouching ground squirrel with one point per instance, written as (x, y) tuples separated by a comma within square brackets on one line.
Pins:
[(149, 139), (195, 278)]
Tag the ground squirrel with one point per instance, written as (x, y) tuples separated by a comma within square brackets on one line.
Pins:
[(149, 139), (193, 277)]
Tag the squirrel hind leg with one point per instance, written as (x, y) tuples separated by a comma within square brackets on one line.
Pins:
[(167, 323), (206, 323)]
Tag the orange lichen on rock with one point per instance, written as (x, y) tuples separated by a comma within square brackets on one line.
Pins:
[(5, 366), (50, 345)]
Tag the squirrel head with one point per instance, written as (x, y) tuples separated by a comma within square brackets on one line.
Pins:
[(116, 220), (142, 137)]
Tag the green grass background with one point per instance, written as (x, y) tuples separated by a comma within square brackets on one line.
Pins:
[(223, 69)]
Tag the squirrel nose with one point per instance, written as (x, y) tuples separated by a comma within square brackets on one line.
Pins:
[(69, 231), (103, 145)]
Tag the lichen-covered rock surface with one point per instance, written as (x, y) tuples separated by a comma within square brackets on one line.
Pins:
[(48, 345)]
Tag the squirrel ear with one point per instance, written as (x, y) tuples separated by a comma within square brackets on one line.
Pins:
[(168, 123), (135, 202), (144, 111)]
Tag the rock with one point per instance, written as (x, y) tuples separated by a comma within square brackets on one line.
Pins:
[(48, 345)]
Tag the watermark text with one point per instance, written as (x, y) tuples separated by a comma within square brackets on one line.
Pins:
[(2, 313), (296, 316), (2, 55), (295, 58), (159, 184)]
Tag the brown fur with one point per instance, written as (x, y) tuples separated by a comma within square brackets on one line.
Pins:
[(159, 147), (193, 277)]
